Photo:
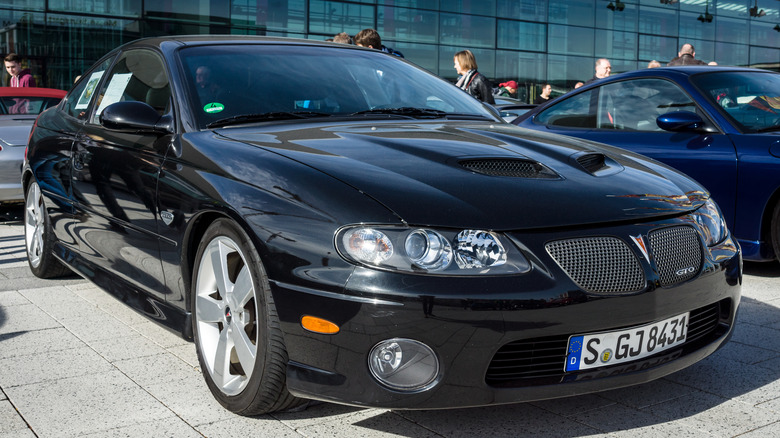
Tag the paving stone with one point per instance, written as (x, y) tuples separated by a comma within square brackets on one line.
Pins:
[(10, 421), (37, 342), (85, 404), (50, 366)]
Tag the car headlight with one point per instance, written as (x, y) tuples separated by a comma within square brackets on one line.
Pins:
[(436, 251), (711, 223)]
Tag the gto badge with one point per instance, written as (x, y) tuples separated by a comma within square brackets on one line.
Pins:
[(640, 242), (684, 271), (166, 217)]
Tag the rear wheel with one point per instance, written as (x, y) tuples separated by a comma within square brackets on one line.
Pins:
[(237, 335), (38, 236)]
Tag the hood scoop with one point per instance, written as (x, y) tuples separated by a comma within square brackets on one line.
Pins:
[(514, 168), (597, 164)]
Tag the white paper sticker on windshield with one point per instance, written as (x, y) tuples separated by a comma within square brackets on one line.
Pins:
[(92, 83), (115, 90)]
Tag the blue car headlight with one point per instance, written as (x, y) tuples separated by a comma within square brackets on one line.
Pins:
[(436, 251), (711, 223)]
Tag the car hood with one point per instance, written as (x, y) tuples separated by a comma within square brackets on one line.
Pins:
[(15, 132), (465, 174)]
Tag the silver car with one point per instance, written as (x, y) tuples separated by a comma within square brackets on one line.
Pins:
[(19, 108)]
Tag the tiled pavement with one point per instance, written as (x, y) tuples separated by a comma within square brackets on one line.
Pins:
[(76, 362)]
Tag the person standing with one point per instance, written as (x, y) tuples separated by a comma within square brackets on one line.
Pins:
[(507, 89), (603, 69), (370, 38), (545, 96), (19, 77), (471, 80), (686, 56)]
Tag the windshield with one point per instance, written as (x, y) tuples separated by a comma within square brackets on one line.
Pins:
[(26, 104), (750, 99), (242, 82)]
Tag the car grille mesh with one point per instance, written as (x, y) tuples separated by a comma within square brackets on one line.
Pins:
[(545, 358), (677, 253), (511, 168), (603, 265)]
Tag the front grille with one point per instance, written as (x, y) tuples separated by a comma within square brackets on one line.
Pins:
[(519, 362), (602, 265), (511, 168), (677, 253)]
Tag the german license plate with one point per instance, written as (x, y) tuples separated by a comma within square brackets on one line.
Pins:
[(610, 348)]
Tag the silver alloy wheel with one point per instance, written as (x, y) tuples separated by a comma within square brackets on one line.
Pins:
[(34, 225), (226, 315)]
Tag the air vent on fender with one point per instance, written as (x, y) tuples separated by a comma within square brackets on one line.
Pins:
[(516, 168), (597, 164)]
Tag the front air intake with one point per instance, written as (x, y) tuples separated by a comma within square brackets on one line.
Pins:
[(509, 168), (599, 265), (592, 163)]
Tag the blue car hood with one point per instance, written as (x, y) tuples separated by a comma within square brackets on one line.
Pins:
[(439, 174)]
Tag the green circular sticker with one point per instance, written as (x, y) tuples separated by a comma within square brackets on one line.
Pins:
[(213, 107)]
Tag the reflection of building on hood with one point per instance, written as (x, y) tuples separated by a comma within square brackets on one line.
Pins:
[(25, 79)]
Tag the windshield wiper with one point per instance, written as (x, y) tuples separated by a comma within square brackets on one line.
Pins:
[(407, 111), (276, 115)]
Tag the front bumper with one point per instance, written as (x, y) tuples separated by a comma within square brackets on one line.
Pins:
[(466, 321)]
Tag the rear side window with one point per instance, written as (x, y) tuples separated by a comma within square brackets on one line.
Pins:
[(78, 99)]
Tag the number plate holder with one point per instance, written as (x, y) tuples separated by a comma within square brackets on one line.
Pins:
[(596, 350)]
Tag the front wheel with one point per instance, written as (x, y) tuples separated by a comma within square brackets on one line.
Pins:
[(775, 232), (237, 335), (38, 236)]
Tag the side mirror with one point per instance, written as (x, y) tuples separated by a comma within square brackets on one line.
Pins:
[(680, 121), (136, 117)]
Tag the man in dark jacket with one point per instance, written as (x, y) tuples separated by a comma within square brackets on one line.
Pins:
[(686, 56), (603, 68), (370, 38)]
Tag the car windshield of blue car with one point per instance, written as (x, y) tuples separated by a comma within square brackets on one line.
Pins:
[(236, 84), (750, 99)]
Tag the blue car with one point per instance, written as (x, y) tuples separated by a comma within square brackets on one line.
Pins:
[(719, 125)]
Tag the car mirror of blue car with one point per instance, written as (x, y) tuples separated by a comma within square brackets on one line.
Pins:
[(677, 121)]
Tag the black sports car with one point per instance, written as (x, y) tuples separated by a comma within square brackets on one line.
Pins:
[(331, 222)]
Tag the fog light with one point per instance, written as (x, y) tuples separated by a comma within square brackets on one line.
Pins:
[(403, 364)]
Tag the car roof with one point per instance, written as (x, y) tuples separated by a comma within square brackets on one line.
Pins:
[(31, 92), (195, 40), (687, 70)]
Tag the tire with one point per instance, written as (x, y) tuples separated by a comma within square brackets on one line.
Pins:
[(38, 237), (236, 330), (775, 232)]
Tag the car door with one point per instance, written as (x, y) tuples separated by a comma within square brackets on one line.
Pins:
[(54, 137), (116, 174), (624, 114)]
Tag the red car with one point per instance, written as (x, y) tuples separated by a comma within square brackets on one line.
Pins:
[(18, 109)]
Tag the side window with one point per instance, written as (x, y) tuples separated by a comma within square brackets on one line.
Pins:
[(138, 75), (77, 101), (578, 111), (635, 105)]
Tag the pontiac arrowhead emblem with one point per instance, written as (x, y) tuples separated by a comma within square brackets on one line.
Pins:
[(640, 242)]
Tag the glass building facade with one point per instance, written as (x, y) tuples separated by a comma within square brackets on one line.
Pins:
[(530, 41)]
